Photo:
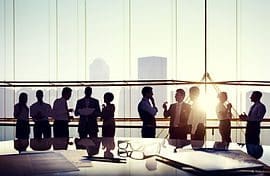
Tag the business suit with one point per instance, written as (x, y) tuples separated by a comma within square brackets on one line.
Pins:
[(178, 121), (88, 123)]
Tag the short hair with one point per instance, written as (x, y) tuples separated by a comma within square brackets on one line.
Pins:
[(23, 97), (39, 93), (108, 96), (194, 89), (223, 93), (181, 91), (88, 91), (66, 91), (146, 90), (258, 94)]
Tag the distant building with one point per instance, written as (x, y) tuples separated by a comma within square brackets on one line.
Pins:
[(99, 71), (153, 68)]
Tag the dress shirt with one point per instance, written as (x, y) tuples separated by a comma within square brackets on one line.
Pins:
[(147, 107), (60, 110), (21, 112), (256, 112), (222, 112), (196, 116), (178, 112), (40, 110)]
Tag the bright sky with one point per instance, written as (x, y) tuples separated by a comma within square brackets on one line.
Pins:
[(51, 47)]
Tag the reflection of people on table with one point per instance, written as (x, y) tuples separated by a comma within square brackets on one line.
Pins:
[(254, 118), (147, 113), (224, 115), (107, 115), (88, 109), (21, 144), (108, 145), (196, 116), (40, 144), (40, 111), (21, 113), (221, 145), (60, 143), (61, 114), (179, 113), (254, 150)]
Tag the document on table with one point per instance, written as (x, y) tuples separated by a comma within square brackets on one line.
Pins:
[(86, 111)]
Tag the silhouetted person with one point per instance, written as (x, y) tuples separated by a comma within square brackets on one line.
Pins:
[(196, 116), (21, 113), (254, 118), (224, 115), (147, 113), (179, 113), (88, 109), (61, 114), (107, 115), (40, 111)]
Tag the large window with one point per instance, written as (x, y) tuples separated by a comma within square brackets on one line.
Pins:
[(66, 40)]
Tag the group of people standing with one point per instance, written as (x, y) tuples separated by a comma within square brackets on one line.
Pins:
[(185, 118), (191, 118), (87, 108)]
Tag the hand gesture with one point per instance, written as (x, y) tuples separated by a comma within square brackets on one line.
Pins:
[(229, 106), (165, 105)]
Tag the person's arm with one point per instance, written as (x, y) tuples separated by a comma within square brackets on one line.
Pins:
[(167, 111), (148, 108), (258, 114), (59, 109), (97, 111), (16, 112), (76, 113)]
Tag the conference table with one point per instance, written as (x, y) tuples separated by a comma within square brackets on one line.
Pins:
[(131, 156)]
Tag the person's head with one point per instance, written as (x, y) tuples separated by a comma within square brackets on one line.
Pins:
[(179, 95), (88, 91), (108, 97), (256, 96), (66, 93), (194, 93), (23, 98), (39, 95), (222, 96), (147, 92)]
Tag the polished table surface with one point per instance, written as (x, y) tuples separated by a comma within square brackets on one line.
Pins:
[(131, 156)]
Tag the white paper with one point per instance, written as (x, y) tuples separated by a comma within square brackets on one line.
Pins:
[(86, 111)]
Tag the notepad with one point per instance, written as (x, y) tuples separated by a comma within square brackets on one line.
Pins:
[(212, 161)]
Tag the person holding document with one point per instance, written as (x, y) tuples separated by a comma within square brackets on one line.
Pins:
[(88, 109)]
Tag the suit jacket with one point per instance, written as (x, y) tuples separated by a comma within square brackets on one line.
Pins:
[(89, 121), (184, 114)]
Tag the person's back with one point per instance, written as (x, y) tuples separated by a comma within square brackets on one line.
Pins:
[(40, 111), (61, 114), (88, 109), (21, 113), (107, 115)]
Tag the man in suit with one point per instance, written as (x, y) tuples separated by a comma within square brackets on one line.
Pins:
[(254, 118), (88, 109), (179, 113), (147, 111)]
